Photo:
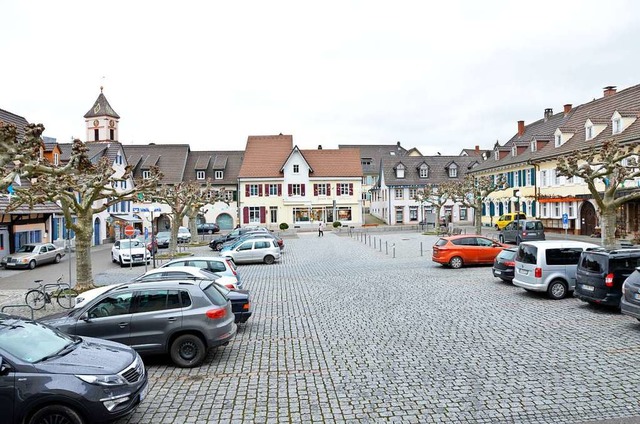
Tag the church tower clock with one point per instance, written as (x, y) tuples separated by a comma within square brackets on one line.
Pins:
[(101, 121)]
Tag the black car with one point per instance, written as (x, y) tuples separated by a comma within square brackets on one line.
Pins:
[(504, 264), (216, 243), (601, 272), (208, 228), (47, 376)]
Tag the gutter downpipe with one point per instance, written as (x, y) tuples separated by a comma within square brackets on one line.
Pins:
[(536, 168)]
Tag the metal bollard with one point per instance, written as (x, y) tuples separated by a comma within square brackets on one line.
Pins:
[(386, 247), (380, 245), (394, 250), (420, 248)]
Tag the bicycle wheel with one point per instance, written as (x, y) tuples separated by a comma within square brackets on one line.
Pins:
[(35, 298), (67, 298)]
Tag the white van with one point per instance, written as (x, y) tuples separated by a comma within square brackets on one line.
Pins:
[(548, 266)]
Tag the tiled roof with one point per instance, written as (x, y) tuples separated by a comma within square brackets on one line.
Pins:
[(171, 159), (372, 153), (46, 207), (438, 173), (101, 107), (265, 155), (202, 162), (220, 162), (12, 118), (334, 162), (231, 160)]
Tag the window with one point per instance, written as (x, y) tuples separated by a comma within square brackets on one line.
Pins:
[(589, 132), (96, 134), (146, 174), (413, 213), (115, 304), (400, 171), (424, 171), (558, 140), (463, 213), (218, 175), (562, 256), (617, 126), (253, 189), (412, 193), (529, 179), (273, 189), (570, 211), (556, 209), (514, 150), (111, 134), (534, 145), (496, 155), (246, 246), (345, 189), (273, 214), (453, 171), (344, 214), (322, 189), (230, 195), (516, 179), (399, 193), (296, 189), (123, 184), (254, 214), (296, 169), (543, 178), (199, 175), (56, 159), (262, 245)]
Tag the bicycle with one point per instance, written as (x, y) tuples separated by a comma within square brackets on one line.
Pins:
[(65, 296)]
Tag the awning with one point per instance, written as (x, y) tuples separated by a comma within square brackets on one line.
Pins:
[(128, 217), (559, 199)]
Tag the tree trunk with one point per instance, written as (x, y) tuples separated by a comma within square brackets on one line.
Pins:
[(193, 220), (477, 216), (608, 227), (173, 241), (84, 234)]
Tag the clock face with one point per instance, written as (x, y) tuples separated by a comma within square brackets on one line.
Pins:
[(95, 123), (112, 123)]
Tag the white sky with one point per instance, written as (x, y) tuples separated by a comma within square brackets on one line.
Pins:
[(436, 76)]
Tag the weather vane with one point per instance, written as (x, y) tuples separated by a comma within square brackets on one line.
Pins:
[(102, 83)]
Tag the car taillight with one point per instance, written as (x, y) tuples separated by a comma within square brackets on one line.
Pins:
[(538, 273), (216, 313), (246, 306), (524, 234), (509, 263), (608, 280), (230, 286), (231, 267)]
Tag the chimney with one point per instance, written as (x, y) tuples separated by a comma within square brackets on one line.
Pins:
[(319, 146), (548, 113), (609, 90), (567, 108), (477, 149), (520, 128), (398, 143)]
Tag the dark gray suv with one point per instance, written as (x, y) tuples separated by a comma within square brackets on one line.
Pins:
[(181, 318), (522, 230), (49, 377)]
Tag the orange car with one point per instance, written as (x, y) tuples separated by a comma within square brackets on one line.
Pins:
[(466, 249)]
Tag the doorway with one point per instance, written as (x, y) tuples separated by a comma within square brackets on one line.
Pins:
[(588, 219)]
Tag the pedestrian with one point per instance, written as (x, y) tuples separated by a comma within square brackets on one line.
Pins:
[(321, 229)]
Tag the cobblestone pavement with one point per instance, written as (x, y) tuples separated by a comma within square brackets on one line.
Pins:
[(343, 332)]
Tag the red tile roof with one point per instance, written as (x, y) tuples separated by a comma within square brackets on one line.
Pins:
[(334, 163), (264, 155)]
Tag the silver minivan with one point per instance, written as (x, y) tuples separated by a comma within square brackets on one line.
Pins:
[(548, 266)]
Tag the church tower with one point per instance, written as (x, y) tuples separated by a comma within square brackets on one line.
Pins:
[(101, 121)]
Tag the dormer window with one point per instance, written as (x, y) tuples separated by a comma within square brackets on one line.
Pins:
[(400, 171), (453, 171), (56, 159), (296, 169), (589, 132), (424, 171), (118, 159), (616, 125), (146, 174), (514, 150), (558, 140), (199, 175), (218, 175), (496, 155), (41, 153), (534, 145)]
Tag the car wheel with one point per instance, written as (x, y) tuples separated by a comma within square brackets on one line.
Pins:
[(455, 262), (218, 246), (557, 289), (188, 351), (501, 238), (56, 414), (269, 259), (57, 259), (120, 261), (32, 264), (113, 259)]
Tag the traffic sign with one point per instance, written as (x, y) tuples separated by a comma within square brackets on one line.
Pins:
[(129, 230), (146, 233), (565, 221)]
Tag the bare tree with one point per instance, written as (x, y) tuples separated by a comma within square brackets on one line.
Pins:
[(80, 187), (433, 195), (472, 191), (606, 166)]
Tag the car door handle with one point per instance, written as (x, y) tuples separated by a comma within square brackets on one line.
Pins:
[(123, 324), (171, 319)]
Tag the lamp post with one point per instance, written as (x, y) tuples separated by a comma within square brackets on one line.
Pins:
[(516, 200)]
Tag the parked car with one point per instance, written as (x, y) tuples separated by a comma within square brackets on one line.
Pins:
[(180, 318), (504, 264), (466, 249), (522, 230), (254, 250), (184, 235), (217, 264), (33, 254), (130, 251), (207, 228), (255, 234), (549, 266), (188, 272), (601, 273), (503, 220), (50, 377), (216, 243), (151, 243), (630, 299), (163, 238)]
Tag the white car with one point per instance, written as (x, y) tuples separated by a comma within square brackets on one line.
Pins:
[(184, 235), (127, 252), (188, 272), (89, 295)]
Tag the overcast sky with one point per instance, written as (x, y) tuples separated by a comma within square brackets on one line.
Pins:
[(439, 77)]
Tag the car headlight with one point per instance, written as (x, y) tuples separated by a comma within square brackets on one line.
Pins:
[(24, 260), (125, 255), (103, 380)]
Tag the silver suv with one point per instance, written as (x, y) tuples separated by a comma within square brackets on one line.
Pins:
[(181, 318), (522, 230)]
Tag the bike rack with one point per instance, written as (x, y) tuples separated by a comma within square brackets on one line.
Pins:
[(18, 306)]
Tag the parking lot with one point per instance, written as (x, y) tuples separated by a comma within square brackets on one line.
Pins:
[(343, 332)]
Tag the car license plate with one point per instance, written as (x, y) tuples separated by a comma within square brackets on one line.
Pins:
[(10, 264), (586, 287), (497, 272), (143, 393)]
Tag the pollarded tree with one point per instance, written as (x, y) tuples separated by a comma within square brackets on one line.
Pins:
[(433, 195), (81, 187), (472, 191), (185, 199), (605, 169)]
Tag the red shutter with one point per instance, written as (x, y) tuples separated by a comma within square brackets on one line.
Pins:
[(328, 189), (350, 189), (246, 190), (245, 215), (289, 188), (302, 189), (279, 189), (315, 189), (259, 189), (266, 190), (263, 214)]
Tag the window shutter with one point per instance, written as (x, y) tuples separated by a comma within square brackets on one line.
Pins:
[(245, 215), (259, 189), (302, 189), (315, 189), (246, 190), (350, 189), (533, 176), (266, 190), (289, 188), (328, 189), (263, 214), (279, 189)]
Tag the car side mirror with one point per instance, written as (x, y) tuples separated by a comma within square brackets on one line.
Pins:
[(85, 317), (5, 368)]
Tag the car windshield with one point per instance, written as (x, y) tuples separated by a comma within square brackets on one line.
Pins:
[(214, 294), (130, 244), (183, 230), (507, 254), (441, 242), (27, 248), (31, 341), (210, 275), (163, 234), (527, 254)]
